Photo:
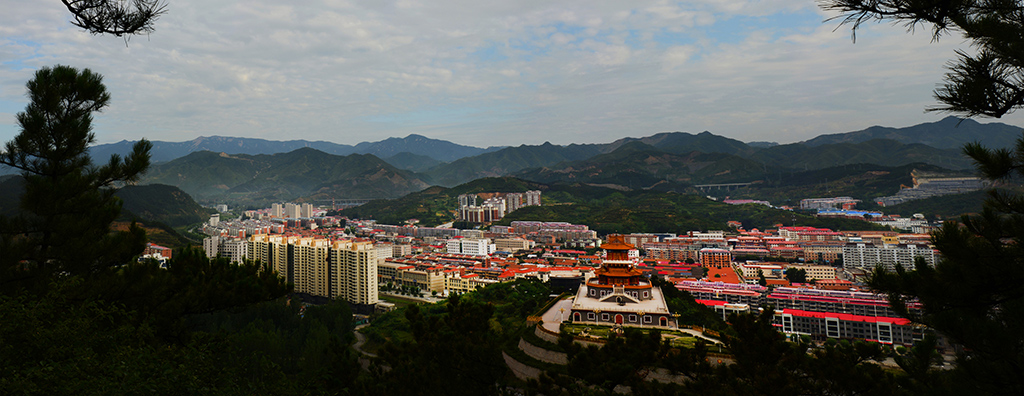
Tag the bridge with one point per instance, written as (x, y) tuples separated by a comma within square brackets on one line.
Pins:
[(723, 186), (336, 203)]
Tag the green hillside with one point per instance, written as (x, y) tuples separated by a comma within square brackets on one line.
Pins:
[(306, 173), (651, 211), (412, 162), (507, 161), (878, 151), (603, 209), (949, 133), (204, 174), (943, 207), (636, 165), (435, 205), (166, 204), (684, 143), (860, 181)]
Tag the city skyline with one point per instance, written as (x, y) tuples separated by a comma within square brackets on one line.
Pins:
[(486, 75)]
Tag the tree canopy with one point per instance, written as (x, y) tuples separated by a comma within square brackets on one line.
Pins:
[(989, 82), (974, 295), (116, 17), (69, 203)]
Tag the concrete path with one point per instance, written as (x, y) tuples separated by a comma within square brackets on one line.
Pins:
[(554, 316), (360, 340), (698, 334)]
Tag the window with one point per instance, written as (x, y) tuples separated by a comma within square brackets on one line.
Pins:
[(591, 316), (645, 294), (604, 317), (885, 333), (647, 318), (632, 318), (832, 327)]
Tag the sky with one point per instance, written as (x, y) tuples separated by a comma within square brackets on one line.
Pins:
[(485, 73)]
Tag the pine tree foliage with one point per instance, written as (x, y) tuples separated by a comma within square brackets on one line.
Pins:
[(116, 17), (69, 203), (988, 82), (975, 294)]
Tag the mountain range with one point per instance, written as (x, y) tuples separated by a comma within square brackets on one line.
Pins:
[(420, 153), (308, 173), (440, 150), (244, 171), (948, 133)]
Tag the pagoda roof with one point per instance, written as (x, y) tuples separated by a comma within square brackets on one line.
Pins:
[(617, 242), (619, 272)]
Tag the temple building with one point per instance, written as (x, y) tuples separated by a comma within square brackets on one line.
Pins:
[(617, 294)]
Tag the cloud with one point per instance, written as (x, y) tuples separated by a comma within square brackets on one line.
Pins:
[(501, 73)]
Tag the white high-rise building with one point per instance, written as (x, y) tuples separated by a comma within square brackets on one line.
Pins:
[(291, 211), (532, 198), (305, 210), (340, 269), (233, 249), (867, 256), (356, 271)]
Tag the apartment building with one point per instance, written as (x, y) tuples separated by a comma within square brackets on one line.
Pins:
[(866, 256), (512, 244), (471, 246), (335, 269), (712, 257), (233, 249), (823, 314), (356, 271)]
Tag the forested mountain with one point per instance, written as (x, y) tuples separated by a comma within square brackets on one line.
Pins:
[(604, 209), (636, 165), (156, 202), (877, 151), (166, 204), (440, 150), (860, 181), (948, 133), (449, 164), (412, 162), (261, 179), (684, 143), (508, 160)]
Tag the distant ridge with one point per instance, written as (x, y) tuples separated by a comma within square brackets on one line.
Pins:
[(440, 150), (948, 133), (305, 173)]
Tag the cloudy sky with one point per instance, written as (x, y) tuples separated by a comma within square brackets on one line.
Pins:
[(484, 73)]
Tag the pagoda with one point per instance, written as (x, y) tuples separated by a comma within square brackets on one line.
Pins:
[(617, 294)]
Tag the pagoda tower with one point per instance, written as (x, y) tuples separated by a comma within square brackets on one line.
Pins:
[(619, 294)]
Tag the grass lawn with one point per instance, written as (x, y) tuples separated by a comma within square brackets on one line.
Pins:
[(398, 301)]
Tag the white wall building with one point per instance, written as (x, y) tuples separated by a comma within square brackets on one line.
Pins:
[(866, 256), (473, 246)]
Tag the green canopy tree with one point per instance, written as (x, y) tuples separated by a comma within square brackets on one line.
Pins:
[(975, 294), (988, 82), (116, 17), (69, 203)]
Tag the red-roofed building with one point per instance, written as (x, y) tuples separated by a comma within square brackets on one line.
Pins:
[(822, 325), (152, 249)]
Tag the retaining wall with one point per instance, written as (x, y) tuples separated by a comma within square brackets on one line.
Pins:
[(520, 370), (542, 354)]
